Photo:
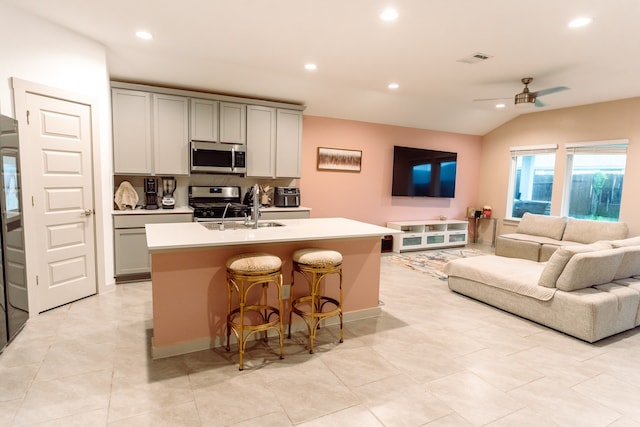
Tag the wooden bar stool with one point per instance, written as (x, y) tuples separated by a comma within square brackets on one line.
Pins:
[(253, 314), (315, 265)]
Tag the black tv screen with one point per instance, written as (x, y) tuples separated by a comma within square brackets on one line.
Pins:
[(418, 172)]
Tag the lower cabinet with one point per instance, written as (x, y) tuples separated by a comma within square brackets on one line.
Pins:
[(284, 213), (132, 260), (421, 235)]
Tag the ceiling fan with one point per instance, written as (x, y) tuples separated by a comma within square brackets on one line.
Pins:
[(528, 98)]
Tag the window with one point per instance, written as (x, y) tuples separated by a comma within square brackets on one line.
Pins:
[(531, 180), (595, 175)]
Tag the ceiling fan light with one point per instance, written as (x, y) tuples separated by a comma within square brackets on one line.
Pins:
[(525, 99)]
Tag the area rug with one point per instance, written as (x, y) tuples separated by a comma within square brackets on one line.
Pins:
[(432, 262)]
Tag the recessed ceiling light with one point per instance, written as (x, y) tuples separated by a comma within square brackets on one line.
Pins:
[(579, 22), (310, 67), (144, 35), (501, 105), (393, 85), (389, 14)]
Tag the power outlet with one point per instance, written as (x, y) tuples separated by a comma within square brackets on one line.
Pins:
[(286, 291)]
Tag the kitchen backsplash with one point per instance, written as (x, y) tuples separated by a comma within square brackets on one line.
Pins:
[(183, 182)]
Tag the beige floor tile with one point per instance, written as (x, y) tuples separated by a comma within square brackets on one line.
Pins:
[(356, 367), (473, 398), (132, 397), (75, 357), (85, 419), (613, 393), (417, 406), (15, 381), (8, 411), (565, 405), (65, 397), (180, 415), (355, 416)]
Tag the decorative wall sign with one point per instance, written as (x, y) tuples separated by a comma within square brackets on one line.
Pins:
[(338, 159)]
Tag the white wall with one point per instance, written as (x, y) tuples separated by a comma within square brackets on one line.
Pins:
[(39, 52)]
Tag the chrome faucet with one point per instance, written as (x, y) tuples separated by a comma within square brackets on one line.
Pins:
[(256, 205), (221, 226)]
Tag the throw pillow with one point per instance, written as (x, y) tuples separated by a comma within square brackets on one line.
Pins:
[(630, 265), (542, 225), (561, 257), (589, 268)]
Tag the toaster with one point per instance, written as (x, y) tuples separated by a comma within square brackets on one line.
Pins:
[(286, 197)]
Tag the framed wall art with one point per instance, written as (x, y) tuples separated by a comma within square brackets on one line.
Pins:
[(337, 159)]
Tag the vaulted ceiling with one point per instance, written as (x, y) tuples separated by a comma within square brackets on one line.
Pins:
[(258, 48)]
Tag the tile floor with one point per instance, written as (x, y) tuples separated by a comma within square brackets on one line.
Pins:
[(432, 358)]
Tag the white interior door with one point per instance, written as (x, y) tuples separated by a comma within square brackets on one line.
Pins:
[(58, 134)]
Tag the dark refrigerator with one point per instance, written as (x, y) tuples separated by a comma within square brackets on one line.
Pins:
[(13, 277)]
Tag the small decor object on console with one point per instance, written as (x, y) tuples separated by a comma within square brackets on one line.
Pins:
[(486, 212)]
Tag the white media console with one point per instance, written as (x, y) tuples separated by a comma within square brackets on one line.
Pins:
[(430, 234)]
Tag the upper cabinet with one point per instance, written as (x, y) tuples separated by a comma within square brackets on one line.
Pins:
[(233, 123), (150, 133), (131, 112), (274, 142), (204, 120), (170, 134), (261, 141), (153, 127), (289, 143)]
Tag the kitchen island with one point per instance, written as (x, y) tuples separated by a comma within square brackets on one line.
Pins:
[(188, 273)]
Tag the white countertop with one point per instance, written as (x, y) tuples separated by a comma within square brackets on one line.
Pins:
[(162, 237), (176, 210)]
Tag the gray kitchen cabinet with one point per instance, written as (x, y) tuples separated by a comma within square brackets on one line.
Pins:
[(288, 143), (132, 260), (204, 120), (150, 133), (233, 123), (261, 141), (131, 112), (274, 142), (170, 134)]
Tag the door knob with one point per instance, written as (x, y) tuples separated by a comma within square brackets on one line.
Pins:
[(88, 212)]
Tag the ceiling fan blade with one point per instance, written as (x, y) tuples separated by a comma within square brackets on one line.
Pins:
[(492, 99), (539, 103), (549, 91)]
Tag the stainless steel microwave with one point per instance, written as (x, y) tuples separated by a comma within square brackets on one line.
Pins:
[(211, 157)]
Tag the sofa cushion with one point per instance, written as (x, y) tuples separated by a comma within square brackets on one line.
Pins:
[(542, 225), (561, 257), (630, 265), (589, 268), (631, 241), (587, 231)]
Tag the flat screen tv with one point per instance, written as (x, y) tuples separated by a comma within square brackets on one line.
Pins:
[(418, 172)]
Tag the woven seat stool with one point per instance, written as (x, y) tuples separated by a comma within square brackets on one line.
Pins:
[(253, 312), (315, 265)]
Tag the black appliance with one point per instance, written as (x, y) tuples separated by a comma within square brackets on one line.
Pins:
[(418, 172), (212, 203), (150, 193), (13, 278), (211, 157), (286, 197)]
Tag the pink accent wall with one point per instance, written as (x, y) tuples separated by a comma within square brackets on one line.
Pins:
[(366, 196)]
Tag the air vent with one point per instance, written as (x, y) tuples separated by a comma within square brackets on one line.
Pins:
[(474, 58)]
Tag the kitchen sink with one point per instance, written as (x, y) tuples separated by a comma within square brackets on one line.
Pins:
[(234, 225)]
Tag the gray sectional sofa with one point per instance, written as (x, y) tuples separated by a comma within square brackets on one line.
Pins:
[(589, 291), (539, 236)]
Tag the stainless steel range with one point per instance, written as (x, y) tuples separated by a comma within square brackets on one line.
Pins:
[(212, 203)]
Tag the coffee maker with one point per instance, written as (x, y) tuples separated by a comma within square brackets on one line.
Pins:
[(168, 187), (150, 193)]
